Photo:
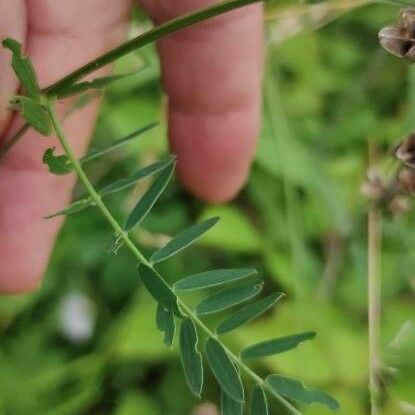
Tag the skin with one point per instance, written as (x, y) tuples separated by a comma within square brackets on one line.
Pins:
[(211, 74)]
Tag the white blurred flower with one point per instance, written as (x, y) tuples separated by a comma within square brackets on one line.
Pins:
[(77, 318)]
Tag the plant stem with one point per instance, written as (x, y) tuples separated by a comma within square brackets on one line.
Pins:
[(12, 141), (374, 301), (96, 198), (151, 36)]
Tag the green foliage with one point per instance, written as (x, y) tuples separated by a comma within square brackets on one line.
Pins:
[(59, 165), (274, 346), (229, 406), (190, 357), (165, 323), (259, 405)]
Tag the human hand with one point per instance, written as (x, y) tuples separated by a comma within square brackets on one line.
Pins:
[(211, 73)]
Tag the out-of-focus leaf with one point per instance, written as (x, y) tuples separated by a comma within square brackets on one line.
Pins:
[(34, 113), (147, 171), (224, 370), (165, 323), (190, 357), (248, 313), (213, 278), (59, 165), (159, 289), (259, 404), (98, 83), (229, 406), (95, 153), (75, 207), (295, 390), (229, 297), (149, 198), (183, 240), (23, 68), (274, 346)]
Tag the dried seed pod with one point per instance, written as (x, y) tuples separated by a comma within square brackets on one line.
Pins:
[(399, 205), (407, 21), (405, 151), (406, 180)]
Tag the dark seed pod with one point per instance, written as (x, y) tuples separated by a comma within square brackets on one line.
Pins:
[(405, 151), (407, 181)]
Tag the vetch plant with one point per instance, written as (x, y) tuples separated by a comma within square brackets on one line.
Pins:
[(235, 288)]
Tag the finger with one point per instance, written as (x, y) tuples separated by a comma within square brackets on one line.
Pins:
[(60, 39), (212, 75), (12, 24)]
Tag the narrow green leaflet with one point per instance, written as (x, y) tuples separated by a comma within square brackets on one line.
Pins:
[(95, 153), (183, 240), (23, 68), (34, 114), (75, 207), (98, 83), (229, 297), (274, 346), (147, 171), (190, 357), (224, 370), (230, 407), (213, 278), (248, 313), (166, 324), (295, 390), (59, 165), (159, 289), (149, 198), (259, 405)]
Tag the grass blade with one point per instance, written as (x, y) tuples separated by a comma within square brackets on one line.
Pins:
[(93, 154), (295, 390), (159, 289), (190, 357), (213, 278), (229, 406), (229, 297), (183, 240), (248, 313), (274, 346), (259, 405), (147, 171), (224, 370), (165, 323), (149, 198)]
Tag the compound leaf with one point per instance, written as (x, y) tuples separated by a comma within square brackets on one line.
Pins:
[(75, 207), (183, 240), (224, 370), (166, 324), (213, 278), (248, 313), (297, 391), (229, 406), (190, 357), (229, 297), (259, 405), (278, 345)]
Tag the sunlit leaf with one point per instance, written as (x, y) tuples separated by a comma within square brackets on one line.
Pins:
[(259, 405), (295, 390), (229, 406), (166, 324), (224, 370), (75, 207), (147, 171), (183, 240), (229, 297), (248, 313), (23, 68), (159, 289), (213, 278), (34, 114), (59, 165), (274, 346), (95, 153), (149, 198), (98, 83), (190, 357)]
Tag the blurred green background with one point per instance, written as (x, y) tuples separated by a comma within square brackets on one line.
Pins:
[(86, 342)]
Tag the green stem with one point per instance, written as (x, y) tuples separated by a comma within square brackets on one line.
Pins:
[(96, 198), (151, 36), (12, 141)]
